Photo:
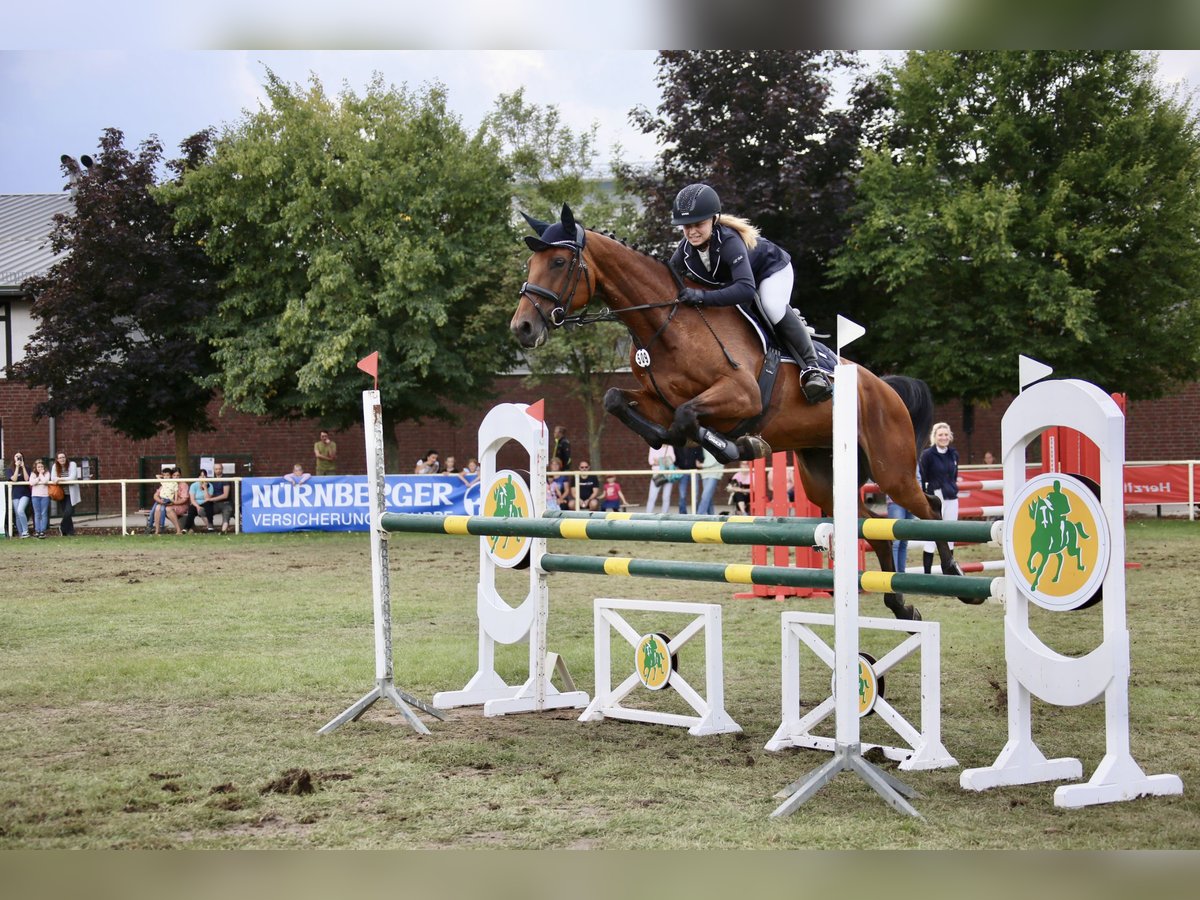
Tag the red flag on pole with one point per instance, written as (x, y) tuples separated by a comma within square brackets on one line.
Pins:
[(370, 365), (537, 410)]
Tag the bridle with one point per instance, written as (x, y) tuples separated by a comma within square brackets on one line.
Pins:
[(577, 270)]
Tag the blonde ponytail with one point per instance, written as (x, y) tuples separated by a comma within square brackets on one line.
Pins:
[(748, 232)]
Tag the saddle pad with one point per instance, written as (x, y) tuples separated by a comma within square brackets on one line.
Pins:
[(826, 358)]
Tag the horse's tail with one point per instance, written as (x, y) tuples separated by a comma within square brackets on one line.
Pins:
[(919, 399)]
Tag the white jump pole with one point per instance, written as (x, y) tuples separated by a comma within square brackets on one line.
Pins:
[(385, 687), (847, 751)]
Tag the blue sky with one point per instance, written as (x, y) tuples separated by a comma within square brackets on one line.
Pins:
[(142, 66)]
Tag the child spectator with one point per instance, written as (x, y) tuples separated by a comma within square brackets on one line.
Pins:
[(614, 497)]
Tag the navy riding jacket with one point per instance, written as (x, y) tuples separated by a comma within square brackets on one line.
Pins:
[(735, 270), (940, 471)]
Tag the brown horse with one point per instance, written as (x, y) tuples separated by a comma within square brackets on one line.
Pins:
[(699, 373)]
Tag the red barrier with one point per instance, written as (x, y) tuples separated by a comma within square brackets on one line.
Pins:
[(769, 497)]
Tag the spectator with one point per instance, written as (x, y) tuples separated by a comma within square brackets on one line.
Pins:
[(451, 467), (221, 498), (66, 474), (325, 451), (614, 497), (589, 488), (296, 476), (562, 447), (938, 464), (687, 460), (164, 506), (552, 501), (39, 490), (561, 486), (661, 460), (201, 506), (739, 489), (711, 470), (428, 464), (988, 459), (899, 548), (470, 475), (19, 476)]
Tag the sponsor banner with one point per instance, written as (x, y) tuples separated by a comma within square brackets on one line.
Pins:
[(340, 502), (1156, 484)]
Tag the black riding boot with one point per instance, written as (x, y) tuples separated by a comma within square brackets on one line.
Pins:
[(792, 332), (927, 560)]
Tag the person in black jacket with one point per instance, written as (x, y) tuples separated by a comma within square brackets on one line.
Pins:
[(938, 466), (728, 253)]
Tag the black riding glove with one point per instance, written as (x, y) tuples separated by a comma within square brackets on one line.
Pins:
[(692, 297)]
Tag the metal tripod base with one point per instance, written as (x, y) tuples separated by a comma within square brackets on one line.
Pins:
[(847, 756), (385, 690)]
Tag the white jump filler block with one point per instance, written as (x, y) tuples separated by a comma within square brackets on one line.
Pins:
[(923, 747), (711, 717)]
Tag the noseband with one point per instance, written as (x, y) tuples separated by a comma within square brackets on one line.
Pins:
[(576, 271)]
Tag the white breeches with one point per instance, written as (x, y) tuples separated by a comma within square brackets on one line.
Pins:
[(949, 514), (775, 292)]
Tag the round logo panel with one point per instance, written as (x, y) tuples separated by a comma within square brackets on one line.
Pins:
[(870, 685), (1057, 541), (653, 661), (507, 497)]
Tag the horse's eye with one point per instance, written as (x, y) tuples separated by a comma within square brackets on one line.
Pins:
[(558, 262)]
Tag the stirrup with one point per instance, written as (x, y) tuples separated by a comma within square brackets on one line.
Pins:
[(815, 391)]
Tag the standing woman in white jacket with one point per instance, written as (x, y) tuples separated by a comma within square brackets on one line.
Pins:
[(68, 474), (661, 461)]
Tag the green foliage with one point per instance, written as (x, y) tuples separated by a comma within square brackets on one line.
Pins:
[(760, 127), (1039, 203), (118, 313), (553, 165), (349, 225)]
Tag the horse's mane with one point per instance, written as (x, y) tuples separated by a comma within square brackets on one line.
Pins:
[(634, 247)]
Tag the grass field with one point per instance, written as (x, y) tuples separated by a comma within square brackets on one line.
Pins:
[(166, 692)]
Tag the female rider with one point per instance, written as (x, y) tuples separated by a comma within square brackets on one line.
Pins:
[(727, 252)]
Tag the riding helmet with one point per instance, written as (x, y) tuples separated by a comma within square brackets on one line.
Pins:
[(695, 203)]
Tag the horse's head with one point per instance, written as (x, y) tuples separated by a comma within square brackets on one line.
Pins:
[(556, 271)]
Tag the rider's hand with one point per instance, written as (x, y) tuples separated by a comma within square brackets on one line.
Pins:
[(692, 297)]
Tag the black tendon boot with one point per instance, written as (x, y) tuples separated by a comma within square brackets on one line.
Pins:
[(927, 559), (793, 334)]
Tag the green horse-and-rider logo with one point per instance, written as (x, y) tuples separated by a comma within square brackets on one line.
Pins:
[(653, 661), (1057, 541), (1054, 533), (506, 497)]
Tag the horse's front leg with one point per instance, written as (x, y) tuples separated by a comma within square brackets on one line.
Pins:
[(642, 413)]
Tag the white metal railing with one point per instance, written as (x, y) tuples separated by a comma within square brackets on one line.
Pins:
[(7, 519)]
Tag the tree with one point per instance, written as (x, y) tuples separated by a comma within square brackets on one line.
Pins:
[(553, 165), (759, 127), (351, 225), (1038, 203), (118, 314)]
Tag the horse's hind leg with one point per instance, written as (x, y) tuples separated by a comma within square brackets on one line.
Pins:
[(887, 563)]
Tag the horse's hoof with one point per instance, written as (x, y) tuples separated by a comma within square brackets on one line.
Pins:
[(973, 601), (751, 446), (916, 615)]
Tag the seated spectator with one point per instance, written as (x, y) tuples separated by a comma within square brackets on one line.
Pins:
[(164, 507), (614, 497), (201, 506), (297, 475), (564, 490), (589, 488), (739, 489), (221, 499), (428, 464)]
